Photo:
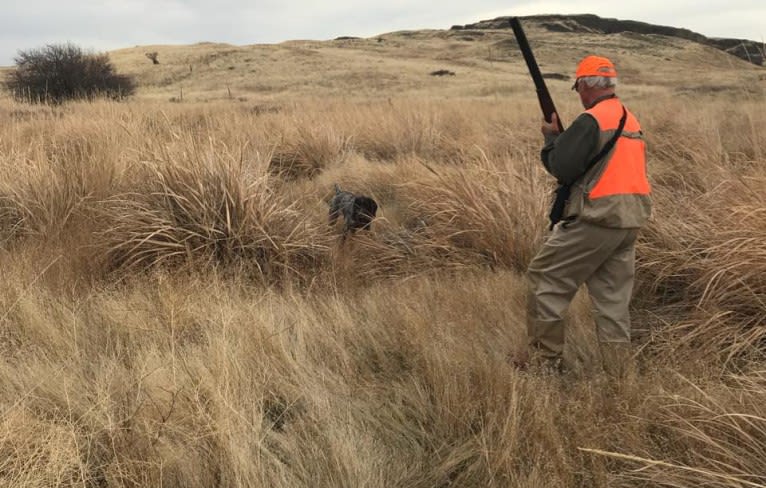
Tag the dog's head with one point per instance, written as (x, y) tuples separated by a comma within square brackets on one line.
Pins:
[(365, 209)]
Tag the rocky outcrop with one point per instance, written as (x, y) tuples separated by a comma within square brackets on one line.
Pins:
[(750, 51)]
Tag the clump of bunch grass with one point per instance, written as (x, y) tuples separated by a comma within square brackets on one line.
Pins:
[(701, 260), (721, 432), (708, 263), (210, 210), (54, 189), (307, 152), (493, 211)]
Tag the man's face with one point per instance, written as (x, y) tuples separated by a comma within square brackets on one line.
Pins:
[(581, 89)]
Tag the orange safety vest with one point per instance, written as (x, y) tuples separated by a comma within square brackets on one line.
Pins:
[(624, 172)]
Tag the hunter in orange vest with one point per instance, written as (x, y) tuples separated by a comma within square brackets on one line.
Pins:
[(602, 158)]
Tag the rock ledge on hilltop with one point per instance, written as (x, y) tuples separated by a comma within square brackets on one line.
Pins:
[(750, 51)]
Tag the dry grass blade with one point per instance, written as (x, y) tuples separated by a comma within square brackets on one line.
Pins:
[(490, 212), (700, 475), (724, 430)]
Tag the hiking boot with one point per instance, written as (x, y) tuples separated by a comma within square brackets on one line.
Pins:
[(537, 363), (519, 360), (552, 366)]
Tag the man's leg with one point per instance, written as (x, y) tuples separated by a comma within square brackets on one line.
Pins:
[(610, 288), (569, 257)]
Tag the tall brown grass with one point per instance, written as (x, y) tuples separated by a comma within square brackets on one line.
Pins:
[(177, 312)]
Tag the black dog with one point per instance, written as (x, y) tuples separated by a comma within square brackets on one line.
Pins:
[(357, 210)]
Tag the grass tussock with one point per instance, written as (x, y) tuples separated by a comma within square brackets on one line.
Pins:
[(177, 312), (492, 211), (210, 210), (306, 153), (725, 444)]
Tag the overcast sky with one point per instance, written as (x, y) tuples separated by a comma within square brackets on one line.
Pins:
[(102, 25)]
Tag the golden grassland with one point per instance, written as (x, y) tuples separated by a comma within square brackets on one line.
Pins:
[(177, 312)]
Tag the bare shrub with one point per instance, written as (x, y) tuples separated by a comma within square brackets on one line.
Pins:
[(60, 72)]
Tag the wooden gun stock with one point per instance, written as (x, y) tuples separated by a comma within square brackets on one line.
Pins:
[(543, 95)]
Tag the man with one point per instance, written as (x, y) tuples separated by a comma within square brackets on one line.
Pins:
[(602, 156)]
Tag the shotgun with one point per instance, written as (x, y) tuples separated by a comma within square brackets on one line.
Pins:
[(543, 95), (546, 104)]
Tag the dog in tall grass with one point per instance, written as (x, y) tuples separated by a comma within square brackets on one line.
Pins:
[(358, 211)]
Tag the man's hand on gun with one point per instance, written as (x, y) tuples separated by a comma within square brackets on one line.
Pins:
[(551, 128)]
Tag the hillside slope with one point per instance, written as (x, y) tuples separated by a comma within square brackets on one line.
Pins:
[(751, 51), (485, 60)]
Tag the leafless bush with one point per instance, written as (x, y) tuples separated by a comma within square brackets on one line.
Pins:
[(60, 72)]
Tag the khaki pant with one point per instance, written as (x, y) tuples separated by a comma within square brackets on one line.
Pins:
[(576, 253)]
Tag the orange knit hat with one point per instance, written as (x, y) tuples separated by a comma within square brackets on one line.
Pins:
[(595, 66)]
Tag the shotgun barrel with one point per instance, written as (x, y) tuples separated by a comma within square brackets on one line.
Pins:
[(543, 95)]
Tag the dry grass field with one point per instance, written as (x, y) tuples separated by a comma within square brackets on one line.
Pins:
[(176, 312)]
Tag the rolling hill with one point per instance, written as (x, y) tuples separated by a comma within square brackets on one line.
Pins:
[(483, 56)]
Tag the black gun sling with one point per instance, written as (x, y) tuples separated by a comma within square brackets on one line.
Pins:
[(563, 191)]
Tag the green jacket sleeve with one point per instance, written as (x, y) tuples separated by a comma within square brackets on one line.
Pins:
[(566, 155)]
